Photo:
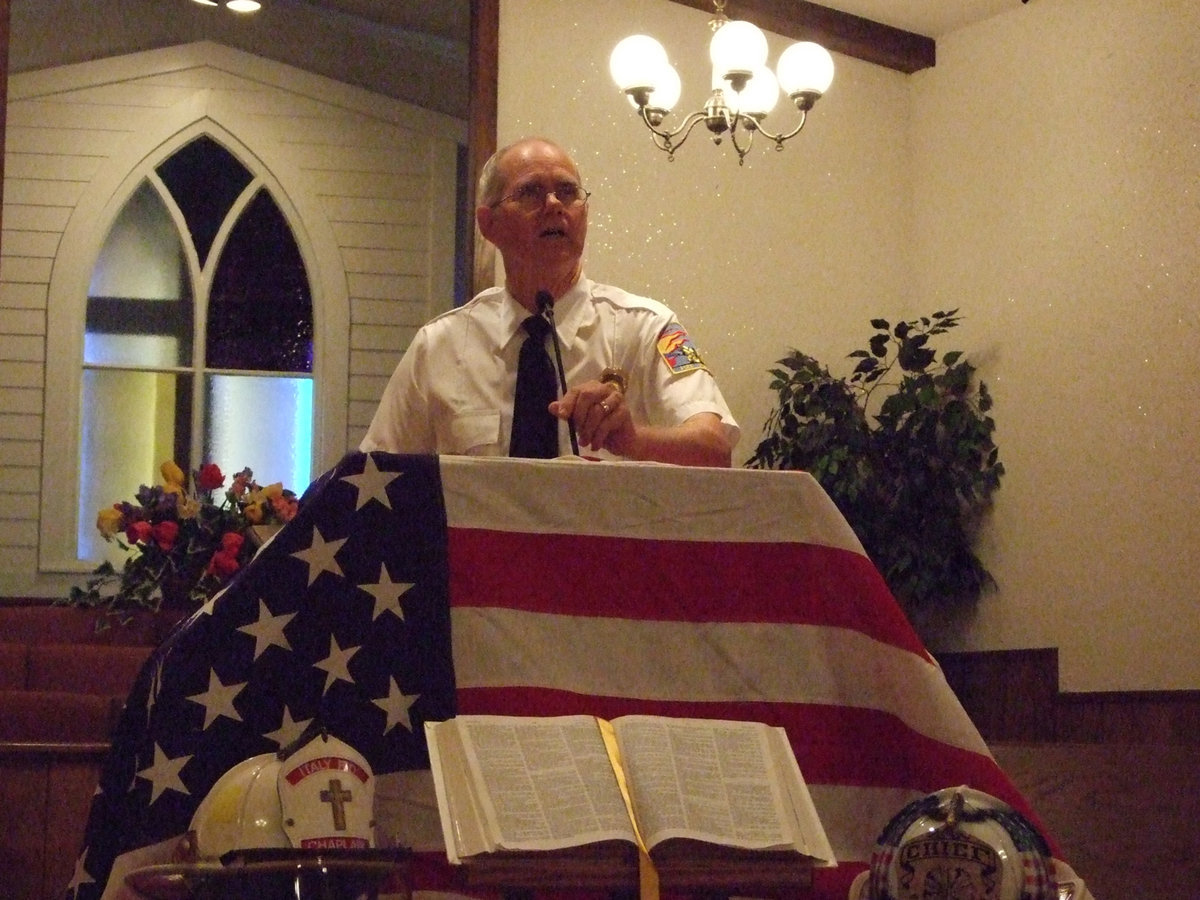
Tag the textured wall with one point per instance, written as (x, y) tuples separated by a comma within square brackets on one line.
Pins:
[(1043, 176)]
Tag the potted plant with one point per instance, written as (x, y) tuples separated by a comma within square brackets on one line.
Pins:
[(904, 447), (183, 541)]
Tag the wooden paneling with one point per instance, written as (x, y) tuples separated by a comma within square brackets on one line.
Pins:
[(47, 790), (835, 30), (1012, 695), (1132, 717), (1009, 695), (1123, 815)]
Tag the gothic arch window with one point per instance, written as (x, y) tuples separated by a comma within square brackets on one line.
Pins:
[(198, 342)]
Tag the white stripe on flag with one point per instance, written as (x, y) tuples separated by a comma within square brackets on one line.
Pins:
[(640, 500), (706, 662)]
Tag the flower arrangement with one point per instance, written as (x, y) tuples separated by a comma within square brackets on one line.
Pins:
[(183, 544)]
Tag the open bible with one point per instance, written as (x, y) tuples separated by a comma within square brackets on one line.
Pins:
[(693, 793)]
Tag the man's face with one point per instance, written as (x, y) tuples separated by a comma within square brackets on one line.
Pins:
[(532, 227)]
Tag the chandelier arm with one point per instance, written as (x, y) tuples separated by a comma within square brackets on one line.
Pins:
[(663, 138), (780, 138), (733, 139)]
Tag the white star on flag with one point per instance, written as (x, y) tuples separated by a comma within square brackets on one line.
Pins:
[(289, 729), (218, 699), (387, 594), (267, 631), (320, 556), (163, 774), (396, 706), (80, 876), (372, 484), (336, 664)]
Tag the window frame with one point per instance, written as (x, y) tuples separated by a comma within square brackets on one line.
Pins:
[(81, 243)]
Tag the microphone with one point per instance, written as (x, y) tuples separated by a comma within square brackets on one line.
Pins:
[(545, 304)]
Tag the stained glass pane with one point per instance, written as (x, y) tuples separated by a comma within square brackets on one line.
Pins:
[(204, 179), (263, 423), (139, 308), (260, 308), (130, 426)]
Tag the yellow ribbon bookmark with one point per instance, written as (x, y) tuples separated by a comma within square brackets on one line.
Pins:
[(647, 875)]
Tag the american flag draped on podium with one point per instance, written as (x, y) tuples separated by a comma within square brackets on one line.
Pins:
[(412, 587)]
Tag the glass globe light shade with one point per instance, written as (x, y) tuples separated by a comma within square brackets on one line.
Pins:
[(635, 61), (737, 46), (666, 91), (760, 94), (805, 67)]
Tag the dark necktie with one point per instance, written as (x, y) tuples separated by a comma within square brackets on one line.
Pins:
[(534, 429)]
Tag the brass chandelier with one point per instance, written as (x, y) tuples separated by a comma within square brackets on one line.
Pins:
[(744, 89)]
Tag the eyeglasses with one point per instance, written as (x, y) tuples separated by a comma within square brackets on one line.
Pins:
[(531, 197)]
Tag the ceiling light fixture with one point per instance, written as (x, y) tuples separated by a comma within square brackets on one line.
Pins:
[(237, 6), (744, 90)]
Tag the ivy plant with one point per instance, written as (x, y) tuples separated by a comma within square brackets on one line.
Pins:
[(904, 447)]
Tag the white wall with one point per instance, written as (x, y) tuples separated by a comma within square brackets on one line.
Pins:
[(367, 184), (1043, 177), (1057, 172)]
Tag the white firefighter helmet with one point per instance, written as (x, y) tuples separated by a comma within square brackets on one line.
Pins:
[(318, 796), (241, 810), (958, 842)]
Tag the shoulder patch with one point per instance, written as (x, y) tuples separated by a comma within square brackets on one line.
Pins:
[(678, 351)]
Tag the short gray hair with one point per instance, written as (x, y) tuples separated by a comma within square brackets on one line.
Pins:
[(491, 186)]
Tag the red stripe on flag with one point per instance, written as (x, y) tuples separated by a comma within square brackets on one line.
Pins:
[(686, 581)]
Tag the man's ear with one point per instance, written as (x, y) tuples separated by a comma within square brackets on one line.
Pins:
[(484, 216)]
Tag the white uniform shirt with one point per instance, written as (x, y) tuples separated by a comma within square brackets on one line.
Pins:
[(453, 390)]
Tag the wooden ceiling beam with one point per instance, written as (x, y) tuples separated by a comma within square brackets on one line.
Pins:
[(834, 30)]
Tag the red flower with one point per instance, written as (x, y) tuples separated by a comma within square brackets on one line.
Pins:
[(223, 564), (210, 477), (231, 542), (165, 534), (138, 531), (285, 507)]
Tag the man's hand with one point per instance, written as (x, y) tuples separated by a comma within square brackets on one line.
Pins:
[(602, 420), (601, 417)]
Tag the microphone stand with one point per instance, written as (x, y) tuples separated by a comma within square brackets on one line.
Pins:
[(546, 307)]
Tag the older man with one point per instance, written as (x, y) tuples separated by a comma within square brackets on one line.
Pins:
[(637, 387)]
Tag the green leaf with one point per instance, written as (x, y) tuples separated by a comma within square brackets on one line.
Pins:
[(914, 478)]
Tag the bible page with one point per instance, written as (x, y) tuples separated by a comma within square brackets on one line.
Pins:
[(711, 780), (548, 782)]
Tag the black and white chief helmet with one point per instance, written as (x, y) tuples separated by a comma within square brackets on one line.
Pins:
[(959, 843)]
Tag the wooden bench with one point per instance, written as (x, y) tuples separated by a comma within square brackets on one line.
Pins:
[(63, 684)]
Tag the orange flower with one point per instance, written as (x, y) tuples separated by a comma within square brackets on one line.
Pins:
[(172, 474), (110, 521)]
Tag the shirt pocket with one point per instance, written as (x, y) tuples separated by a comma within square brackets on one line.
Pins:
[(475, 431)]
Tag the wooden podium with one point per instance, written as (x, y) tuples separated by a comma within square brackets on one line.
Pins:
[(613, 868), (277, 874)]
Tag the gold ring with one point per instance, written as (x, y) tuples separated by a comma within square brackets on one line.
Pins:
[(604, 406)]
